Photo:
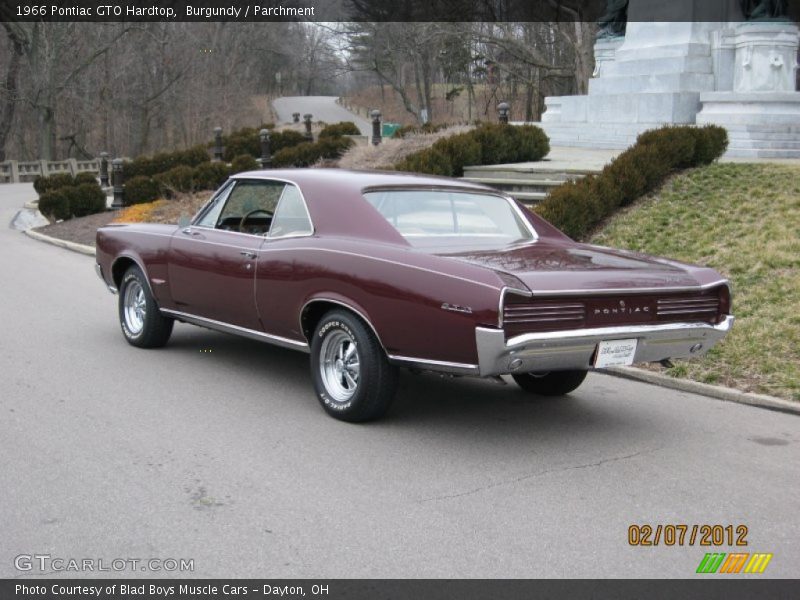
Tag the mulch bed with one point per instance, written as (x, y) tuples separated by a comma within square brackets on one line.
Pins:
[(81, 230)]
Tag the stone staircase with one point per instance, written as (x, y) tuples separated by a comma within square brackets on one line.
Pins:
[(527, 182)]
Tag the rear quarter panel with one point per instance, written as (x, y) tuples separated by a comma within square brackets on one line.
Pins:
[(398, 290)]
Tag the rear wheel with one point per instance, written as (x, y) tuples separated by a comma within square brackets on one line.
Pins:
[(554, 383), (352, 376), (142, 323)]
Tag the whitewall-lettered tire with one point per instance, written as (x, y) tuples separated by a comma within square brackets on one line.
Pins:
[(352, 376), (142, 323)]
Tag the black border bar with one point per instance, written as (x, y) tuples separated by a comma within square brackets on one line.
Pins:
[(370, 10), (711, 588)]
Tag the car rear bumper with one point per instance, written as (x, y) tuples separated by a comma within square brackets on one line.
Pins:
[(563, 350)]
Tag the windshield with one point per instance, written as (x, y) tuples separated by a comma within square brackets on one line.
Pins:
[(444, 218)]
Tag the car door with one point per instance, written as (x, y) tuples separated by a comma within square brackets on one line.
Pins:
[(212, 262), (282, 278)]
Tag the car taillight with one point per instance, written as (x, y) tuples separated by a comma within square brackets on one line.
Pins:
[(724, 301)]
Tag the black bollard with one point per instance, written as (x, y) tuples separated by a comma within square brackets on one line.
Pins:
[(104, 169), (376, 127), (502, 112), (217, 143), (118, 179), (307, 119), (266, 159)]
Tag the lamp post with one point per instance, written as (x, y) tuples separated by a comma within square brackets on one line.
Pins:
[(104, 169), (376, 127), (502, 112), (266, 159), (118, 181), (217, 143), (307, 119)]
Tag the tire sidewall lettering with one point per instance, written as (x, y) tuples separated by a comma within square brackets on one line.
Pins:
[(323, 394), (125, 281)]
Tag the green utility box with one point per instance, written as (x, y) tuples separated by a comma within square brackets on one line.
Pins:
[(388, 129)]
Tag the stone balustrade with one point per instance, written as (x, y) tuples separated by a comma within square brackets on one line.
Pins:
[(14, 171)]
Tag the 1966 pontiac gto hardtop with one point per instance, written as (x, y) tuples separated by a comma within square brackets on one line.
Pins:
[(373, 271)]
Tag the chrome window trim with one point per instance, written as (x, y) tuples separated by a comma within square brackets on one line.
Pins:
[(276, 340), (269, 235), (225, 189), (457, 189), (235, 179)]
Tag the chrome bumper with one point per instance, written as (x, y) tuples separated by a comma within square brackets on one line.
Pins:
[(560, 350)]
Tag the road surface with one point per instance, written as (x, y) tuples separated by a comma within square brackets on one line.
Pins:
[(215, 449), (323, 108)]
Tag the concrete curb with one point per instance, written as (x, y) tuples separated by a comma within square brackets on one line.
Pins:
[(33, 205), (80, 248), (705, 389)]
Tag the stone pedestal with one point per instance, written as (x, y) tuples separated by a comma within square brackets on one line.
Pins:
[(605, 51), (655, 76), (766, 57), (762, 112), (738, 75)]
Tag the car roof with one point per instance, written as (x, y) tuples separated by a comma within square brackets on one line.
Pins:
[(356, 181), (335, 201)]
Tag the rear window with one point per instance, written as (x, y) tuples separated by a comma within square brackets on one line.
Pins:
[(439, 218)]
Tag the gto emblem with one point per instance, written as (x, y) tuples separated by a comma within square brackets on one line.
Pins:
[(622, 310), (456, 308)]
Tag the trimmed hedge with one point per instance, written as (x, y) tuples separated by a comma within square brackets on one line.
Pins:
[(53, 182), (308, 153), (141, 189), (164, 161), (340, 129), (489, 144), (577, 207), (247, 141), (244, 162), (206, 176), (405, 130), (73, 201)]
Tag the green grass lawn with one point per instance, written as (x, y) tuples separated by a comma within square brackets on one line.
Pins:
[(744, 221)]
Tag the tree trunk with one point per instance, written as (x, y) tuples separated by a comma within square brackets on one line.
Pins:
[(10, 104)]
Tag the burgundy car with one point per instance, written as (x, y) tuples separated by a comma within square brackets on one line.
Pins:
[(373, 271)]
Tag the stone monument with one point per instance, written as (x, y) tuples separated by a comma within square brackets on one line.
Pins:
[(739, 74)]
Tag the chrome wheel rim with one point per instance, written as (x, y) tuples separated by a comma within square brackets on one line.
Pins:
[(135, 307), (340, 366)]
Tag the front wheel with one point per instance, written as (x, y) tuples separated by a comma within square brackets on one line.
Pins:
[(142, 323), (554, 383), (352, 377)]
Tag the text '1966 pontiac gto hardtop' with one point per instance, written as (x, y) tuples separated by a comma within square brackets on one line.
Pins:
[(370, 271)]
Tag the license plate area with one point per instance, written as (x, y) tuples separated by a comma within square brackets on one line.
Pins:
[(615, 353)]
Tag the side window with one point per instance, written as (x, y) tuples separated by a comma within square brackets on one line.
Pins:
[(291, 217), (250, 206), (211, 215)]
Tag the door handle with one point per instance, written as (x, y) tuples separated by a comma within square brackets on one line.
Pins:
[(190, 231), (248, 254)]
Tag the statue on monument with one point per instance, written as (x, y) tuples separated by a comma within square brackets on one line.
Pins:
[(755, 10), (613, 21)]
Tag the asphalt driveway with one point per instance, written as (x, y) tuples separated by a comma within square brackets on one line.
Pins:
[(215, 449)]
